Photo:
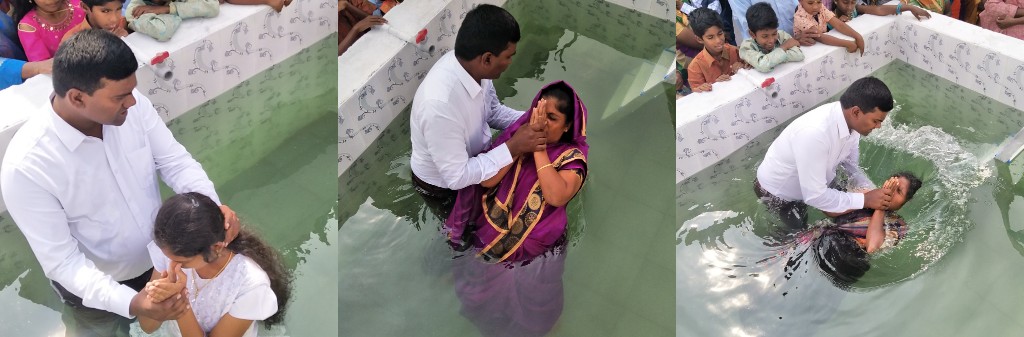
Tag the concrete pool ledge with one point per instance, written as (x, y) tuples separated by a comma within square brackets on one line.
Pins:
[(208, 57), (710, 126), (378, 75)]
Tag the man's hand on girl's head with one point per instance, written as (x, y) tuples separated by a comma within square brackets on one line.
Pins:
[(231, 223)]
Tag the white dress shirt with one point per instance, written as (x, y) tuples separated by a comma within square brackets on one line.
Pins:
[(451, 122), (87, 205), (802, 161)]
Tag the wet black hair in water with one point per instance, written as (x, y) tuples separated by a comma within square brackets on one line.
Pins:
[(915, 183), (188, 224), (566, 104), (840, 257)]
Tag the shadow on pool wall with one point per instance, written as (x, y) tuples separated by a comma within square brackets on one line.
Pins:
[(711, 126)]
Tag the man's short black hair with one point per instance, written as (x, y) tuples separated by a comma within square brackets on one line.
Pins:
[(487, 28), (94, 3), (867, 94), (701, 19), (761, 16), (89, 56)]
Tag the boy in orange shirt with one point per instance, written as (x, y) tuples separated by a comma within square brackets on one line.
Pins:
[(101, 14), (719, 60)]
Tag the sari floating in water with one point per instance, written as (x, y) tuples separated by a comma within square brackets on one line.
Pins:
[(511, 222)]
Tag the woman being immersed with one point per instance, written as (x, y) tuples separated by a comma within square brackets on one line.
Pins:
[(230, 286), (520, 213)]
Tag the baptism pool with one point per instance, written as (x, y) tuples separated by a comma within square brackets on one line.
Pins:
[(958, 266), (397, 275), (267, 146)]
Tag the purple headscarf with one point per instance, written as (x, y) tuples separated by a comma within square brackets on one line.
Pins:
[(511, 221)]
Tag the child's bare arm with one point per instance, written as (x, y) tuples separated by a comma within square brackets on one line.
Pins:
[(842, 27), (884, 10)]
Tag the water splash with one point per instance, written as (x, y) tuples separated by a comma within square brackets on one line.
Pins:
[(944, 220)]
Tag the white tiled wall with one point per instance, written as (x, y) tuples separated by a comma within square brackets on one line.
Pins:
[(210, 56), (378, 75), (710, 126)]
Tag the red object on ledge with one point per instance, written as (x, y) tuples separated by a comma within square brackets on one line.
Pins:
[(422, 35), (767, 82), (160, 57)]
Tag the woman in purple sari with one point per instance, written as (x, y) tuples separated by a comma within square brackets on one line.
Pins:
[(519, 213)]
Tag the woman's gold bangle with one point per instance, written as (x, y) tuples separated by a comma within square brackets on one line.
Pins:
[(542, 167)]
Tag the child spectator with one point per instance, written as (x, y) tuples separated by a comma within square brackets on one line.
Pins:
[(687, 47), (101, 14), (719, 60), (1002, 16), (160, 18), (846, 10), (354, 19), (13, 69), (723, 8), (42, 24), (768, 46), (809, 26)]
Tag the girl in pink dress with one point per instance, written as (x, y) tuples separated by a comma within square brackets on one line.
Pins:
[(42, 24)]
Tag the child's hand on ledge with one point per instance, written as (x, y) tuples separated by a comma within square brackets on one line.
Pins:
[(723, 78), (918, 12), (736, 67), (703, 87), (140, 10), (807, 39), (855, 45), (790, 44)]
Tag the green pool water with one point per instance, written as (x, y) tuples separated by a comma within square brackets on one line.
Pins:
[(955, 274), (268, 145), (399, 278)]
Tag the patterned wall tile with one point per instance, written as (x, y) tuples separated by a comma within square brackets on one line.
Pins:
[(223, 58)]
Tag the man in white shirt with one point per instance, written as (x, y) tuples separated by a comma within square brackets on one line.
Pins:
[(78, 179), (456, 106), (801, 163)]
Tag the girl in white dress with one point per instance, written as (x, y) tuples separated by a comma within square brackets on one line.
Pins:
[(230, 286)]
